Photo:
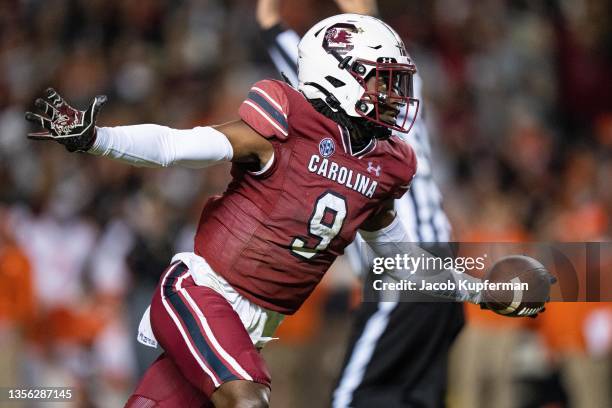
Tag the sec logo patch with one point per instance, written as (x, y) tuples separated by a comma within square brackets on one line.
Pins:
[(327, 147)]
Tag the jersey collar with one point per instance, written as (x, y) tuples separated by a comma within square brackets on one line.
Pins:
[(348, 148)]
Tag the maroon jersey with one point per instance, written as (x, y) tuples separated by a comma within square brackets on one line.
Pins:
[(274, 233)]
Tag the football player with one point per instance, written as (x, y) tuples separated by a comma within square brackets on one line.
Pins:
[(398, 351), (311, 167)]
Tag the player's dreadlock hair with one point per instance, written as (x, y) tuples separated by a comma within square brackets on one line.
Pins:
[(365, 129)]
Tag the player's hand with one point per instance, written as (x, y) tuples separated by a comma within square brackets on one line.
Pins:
[(519, 312), (366, 7), (268, 13), (73, 128), (522, 310)]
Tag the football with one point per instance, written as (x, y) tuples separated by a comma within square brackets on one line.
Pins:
[(517, 286)]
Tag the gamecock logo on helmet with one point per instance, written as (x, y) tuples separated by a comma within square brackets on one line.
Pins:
[(338, 38)]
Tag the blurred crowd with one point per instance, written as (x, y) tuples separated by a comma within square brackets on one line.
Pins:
[(518, 98)]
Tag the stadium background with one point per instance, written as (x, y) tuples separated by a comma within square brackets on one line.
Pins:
[(519, 105)]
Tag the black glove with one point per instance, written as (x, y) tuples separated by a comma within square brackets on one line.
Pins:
[(73, 128), (519, 312), (523, 310)]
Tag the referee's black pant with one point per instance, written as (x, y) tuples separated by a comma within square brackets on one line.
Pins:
[(398, 355)]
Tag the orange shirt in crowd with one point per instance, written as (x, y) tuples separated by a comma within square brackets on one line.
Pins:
[(17, 304)]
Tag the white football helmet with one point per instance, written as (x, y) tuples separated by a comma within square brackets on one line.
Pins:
[(338, 58)]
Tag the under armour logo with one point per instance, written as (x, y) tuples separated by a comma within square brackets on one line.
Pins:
[(372, 169), (402, 49)]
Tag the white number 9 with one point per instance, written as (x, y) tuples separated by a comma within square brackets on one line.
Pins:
[(318, 228)]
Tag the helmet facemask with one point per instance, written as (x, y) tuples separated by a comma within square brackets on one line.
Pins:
[(388, 98)]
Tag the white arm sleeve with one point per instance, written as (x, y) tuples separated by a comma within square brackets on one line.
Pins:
[(394, 240), (161, 146)]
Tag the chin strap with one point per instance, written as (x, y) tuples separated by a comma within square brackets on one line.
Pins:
[(286, 78), (330, 99)]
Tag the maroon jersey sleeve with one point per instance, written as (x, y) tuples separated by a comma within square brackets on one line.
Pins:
[(266, 109), (409, 169)]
